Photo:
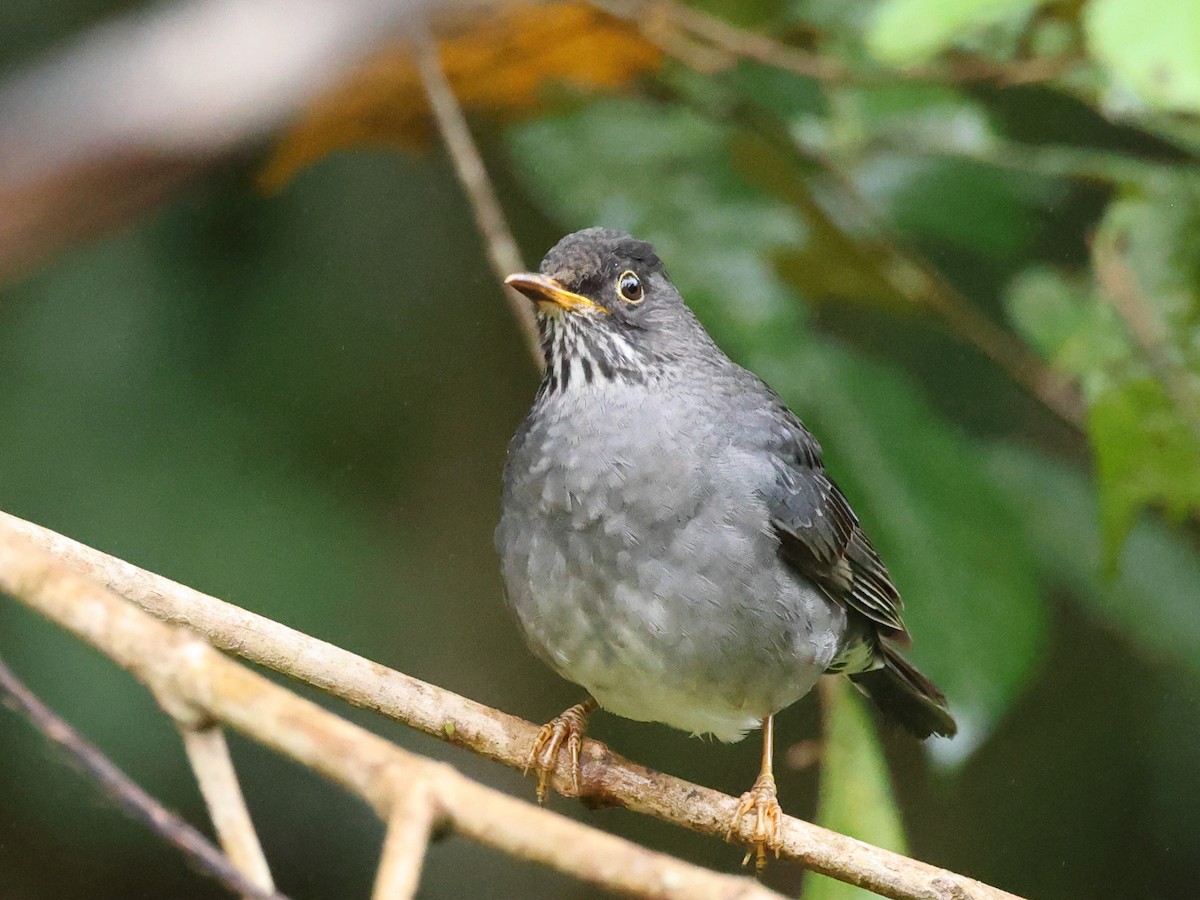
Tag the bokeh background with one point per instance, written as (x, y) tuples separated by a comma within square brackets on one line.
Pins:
[(960, 239)]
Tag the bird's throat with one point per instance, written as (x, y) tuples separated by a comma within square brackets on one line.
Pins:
[(582, 355)]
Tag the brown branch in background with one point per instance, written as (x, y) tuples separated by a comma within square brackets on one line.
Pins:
[(126, 794), (923, 286), (664, 18), (176, 663), (1120, 287), (607, 779), (1055, 391), (657, 27), (208, 753), (674, 26), (502, 250)]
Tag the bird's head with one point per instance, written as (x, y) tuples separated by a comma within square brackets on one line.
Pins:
[(607, 309)]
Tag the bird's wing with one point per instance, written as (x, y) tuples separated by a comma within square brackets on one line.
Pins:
[(820, 535)]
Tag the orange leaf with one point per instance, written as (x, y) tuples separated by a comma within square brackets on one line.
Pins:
[(498, 66)]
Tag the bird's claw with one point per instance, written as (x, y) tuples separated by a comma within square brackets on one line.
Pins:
[(768, 820), (543, 754)]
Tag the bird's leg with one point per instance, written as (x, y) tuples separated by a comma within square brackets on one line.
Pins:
[(543, 755), (761, 799)]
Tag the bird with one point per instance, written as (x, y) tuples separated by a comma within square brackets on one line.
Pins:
[(669, 538)]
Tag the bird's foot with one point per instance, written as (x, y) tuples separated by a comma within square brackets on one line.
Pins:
[(567, 728), (768, 820)]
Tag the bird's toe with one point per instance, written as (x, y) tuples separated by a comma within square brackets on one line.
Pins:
[(567, 729), (761, 800)]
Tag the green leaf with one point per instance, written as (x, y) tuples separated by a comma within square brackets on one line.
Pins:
[(856, 792), (1133, 342), (964, 204), (1144, 454), (773, 91), (1151, 229), (1151, 601), (1071, 327), (951, 539), (1047, 309), (832, 17), (911, 31), (928, 158), (1152, 50), (912, 115), (1145, 428)]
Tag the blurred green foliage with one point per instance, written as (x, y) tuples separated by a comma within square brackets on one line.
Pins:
[(856, 790), (909, 31), (1131, 340), (301, 405), (1148, 49)]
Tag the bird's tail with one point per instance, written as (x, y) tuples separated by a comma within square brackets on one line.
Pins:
[(906, 696)]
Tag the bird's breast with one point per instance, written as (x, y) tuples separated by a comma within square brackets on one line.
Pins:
[(638, 557)]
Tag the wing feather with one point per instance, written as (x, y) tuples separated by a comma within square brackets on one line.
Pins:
[(820, 536)]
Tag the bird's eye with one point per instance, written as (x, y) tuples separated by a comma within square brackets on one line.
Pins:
[(630, 287)]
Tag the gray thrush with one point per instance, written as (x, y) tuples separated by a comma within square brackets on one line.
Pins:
[(670, 540)]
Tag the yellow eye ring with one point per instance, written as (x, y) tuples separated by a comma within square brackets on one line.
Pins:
[(629, 286)]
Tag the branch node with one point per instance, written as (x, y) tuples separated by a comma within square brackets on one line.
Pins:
[(414, 814), (178, 658)]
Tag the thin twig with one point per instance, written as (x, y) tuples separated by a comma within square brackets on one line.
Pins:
[(414, 812), (607, 779), (1055, 391), (671, 24), (209, 755), (174, 661), (125, 793), (502, 250)]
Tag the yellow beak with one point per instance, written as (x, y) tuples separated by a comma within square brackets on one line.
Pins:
[(550, 295)]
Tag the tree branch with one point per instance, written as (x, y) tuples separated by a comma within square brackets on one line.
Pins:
[(414, 814), (502, 250), (673, 25), (126, 794), (607, 779), (919, 282), (209, 755), (174, 662)]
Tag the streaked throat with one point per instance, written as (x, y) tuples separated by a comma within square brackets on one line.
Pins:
[(581, 355)]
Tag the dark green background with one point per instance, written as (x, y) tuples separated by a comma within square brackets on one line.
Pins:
[(301, 405)]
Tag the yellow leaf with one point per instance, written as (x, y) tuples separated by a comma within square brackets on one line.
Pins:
[(498, 65)]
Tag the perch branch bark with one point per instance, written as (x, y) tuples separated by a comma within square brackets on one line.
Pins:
[(607, 779), (176, 664)]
